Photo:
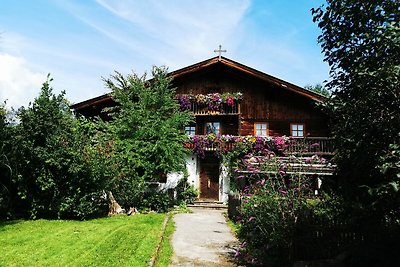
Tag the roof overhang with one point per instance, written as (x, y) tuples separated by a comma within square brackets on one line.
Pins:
[(228, 63)]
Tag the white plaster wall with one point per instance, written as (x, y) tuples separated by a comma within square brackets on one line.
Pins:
[(193, 178), (223, 184), (193, 170), (172, 180)]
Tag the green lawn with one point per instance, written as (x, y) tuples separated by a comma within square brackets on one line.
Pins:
[(116, 241), (166, 251)]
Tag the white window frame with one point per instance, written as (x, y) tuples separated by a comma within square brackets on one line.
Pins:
[(190, 130), (259, 131), (297, 130)]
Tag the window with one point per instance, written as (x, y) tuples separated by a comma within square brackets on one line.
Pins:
[(297, 130), (213, 127), (190, 130), (261, 129)]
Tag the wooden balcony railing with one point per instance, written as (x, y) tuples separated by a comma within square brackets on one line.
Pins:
[(311, 145), (223, 109), (323, 146)]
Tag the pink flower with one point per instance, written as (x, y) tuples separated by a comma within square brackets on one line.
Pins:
[(237, 253), (261, 182), (282, 191)]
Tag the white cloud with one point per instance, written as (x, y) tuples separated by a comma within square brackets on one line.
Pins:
[(18, 84), (173, 33)]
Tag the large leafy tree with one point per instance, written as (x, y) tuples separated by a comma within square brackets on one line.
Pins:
[(318, 88), (5, 169), (57, 170), (147, 130), (361, 43)]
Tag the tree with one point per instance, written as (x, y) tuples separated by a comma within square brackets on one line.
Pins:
[(318, 88), (147, 131), (5, 168), (59, 172), (361, 43)]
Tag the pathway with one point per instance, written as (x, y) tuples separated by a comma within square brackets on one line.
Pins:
[(202, 238)]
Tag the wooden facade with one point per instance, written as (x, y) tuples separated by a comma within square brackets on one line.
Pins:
[(265, 99), (280, 106)]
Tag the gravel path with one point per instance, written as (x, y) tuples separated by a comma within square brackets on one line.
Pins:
[(202, 238)]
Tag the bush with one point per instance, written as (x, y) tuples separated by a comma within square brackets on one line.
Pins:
[(185, 192), (156, 200), (58, 163), (269, 213)]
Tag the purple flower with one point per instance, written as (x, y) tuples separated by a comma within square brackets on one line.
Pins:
[(261, 182), (237, 253), (314, 145), (282, 191), (184, 102)]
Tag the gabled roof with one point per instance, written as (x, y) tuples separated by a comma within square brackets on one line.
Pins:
[(225, 62), (250, 71)]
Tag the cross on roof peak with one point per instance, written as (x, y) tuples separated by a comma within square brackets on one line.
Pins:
[(219, 51)]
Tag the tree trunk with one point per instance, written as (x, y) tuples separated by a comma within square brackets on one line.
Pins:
[(113, 206)]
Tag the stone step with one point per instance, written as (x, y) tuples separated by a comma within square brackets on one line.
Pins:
[(206, 204)]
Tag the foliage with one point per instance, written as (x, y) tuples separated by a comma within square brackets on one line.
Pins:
[(155, 200), (361, 43), (147, 132), (319, 89), (5, 168), (224, 144), (185, 192), (114, 241), (58, 170), (271, 206)]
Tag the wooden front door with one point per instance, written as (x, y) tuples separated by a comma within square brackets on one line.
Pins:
[(209, 178)]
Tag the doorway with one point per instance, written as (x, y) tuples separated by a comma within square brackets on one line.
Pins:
[(209, 178)]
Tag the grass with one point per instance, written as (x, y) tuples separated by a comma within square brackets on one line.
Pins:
[(234, 227), (231, 224), (166, 251), (119, 240)]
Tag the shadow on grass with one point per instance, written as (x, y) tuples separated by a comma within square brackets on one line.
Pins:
[(4, 223)]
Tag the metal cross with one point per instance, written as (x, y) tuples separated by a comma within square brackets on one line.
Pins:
[(219, 51)]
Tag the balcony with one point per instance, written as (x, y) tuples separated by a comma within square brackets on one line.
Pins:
[(306, 156), (211, 104), (311, 146), (222, 109), (321, 146)]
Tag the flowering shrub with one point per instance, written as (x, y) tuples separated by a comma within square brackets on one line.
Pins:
[(200, 144), (221, 145), (213, 101), (271, 207), (184, 102)]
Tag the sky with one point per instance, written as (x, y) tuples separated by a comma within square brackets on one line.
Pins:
[(80, 41)]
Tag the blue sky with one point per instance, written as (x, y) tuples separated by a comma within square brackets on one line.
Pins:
[(80, 41)]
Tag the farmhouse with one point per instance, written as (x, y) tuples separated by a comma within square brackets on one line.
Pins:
[(231, 100)]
